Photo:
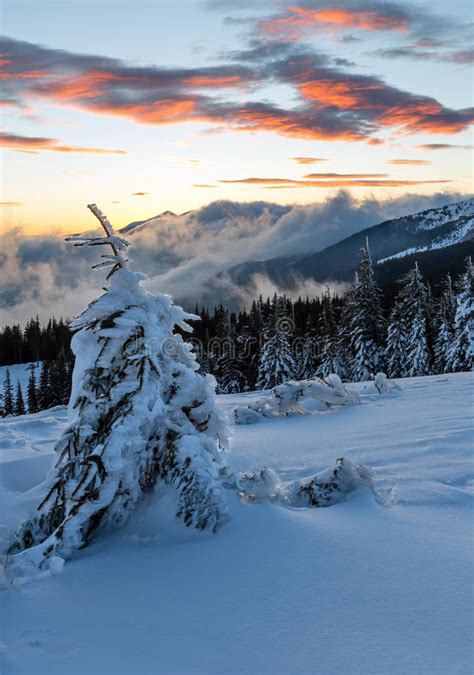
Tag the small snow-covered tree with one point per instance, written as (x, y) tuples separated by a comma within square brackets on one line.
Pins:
[(461, 352), (418, 356), (228, 368), (32, 399), (8, 403), (140, 417), (276, 362), (232, 379), (444, 325), (19, 406), (309, 360), (396, 347), (45, 393), (332, 347), (59, 381), (366, 321), (415, 301)]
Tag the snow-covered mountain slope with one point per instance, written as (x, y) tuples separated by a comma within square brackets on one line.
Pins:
[(355, 588), (138, 225), (460, 230), (434, 218), (433, 229)]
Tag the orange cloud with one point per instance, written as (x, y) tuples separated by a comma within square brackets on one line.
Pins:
[(36, 144), (344, 181), (343, 18), (296, 20), (294, 125), (219, 81), (342, 95), (139, 194), (261, 181), (11, 203), (443, 146), (381, 104), (322, 176), (204, 185), (308, 160), (408, 162), (332, 105)]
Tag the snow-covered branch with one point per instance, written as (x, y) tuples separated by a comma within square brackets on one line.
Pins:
[(324, 489), (288, 398), (118, 244)]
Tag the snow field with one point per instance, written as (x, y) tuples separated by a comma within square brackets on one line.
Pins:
[(353, 589)]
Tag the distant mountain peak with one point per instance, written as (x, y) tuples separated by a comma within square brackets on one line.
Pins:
[(139, 224)]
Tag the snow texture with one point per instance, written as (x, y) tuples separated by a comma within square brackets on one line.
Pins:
[(278, 590), (352, 589)]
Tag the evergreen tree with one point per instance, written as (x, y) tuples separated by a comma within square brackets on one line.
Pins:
[(460, 354), (309, 363), (19, 406), (276, 363), (366, 323), (32, 399), (396, 349), (45, 393), (59, 382), (141, 418), (445, 315), (7, 399), (414, 298), (332, 347), (227, 370)]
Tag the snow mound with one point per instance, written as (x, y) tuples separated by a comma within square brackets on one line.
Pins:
[(288, 398)]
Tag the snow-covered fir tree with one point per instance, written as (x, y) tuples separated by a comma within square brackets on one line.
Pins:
[(32, 399), (415, 303), (332, 350), (45, 393), (228, 368), (309, 360), (366, 320), (19, 405), (396, 348), (59, 381), (232, 379), (8, 403), (444, 325), (141, 417), (460, 355), (276, 362)]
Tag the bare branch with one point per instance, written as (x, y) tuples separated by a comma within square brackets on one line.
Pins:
[(117, 260), (104, 221)]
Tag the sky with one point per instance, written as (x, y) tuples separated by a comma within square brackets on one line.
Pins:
[(144, 107)]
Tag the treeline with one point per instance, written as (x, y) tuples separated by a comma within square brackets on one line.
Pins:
[(422, 331), (35, 342), (49, 384), (354, 336)]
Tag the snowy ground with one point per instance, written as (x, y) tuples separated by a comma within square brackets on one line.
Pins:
[(352, 589)]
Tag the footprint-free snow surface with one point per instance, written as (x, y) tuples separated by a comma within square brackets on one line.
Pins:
[(356, 588)]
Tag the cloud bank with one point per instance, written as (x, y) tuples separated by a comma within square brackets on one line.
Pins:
[(183, 255)]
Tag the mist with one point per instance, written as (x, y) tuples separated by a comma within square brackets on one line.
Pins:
[(188, 256)]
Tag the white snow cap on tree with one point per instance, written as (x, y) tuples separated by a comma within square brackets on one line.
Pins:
[(140, 416)]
